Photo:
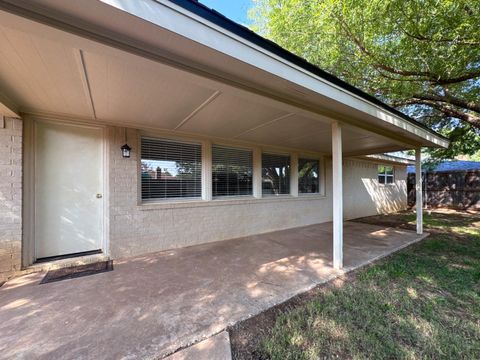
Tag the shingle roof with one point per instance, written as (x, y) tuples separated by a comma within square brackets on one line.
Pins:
[(453, 165)]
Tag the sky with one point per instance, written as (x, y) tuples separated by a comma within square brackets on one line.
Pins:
[(235, 10)]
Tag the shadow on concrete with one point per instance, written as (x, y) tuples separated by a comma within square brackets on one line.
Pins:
[(152, 305)]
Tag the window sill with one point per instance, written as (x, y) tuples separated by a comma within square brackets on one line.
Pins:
[(179, 204), (313, 195)]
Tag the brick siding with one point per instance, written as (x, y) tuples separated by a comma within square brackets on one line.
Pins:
[(10, 196)]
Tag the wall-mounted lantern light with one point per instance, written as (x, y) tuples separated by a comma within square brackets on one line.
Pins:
[(125, 148), (126, 151)]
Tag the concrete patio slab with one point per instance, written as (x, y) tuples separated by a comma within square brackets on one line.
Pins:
[(150, 306), (215, 348)]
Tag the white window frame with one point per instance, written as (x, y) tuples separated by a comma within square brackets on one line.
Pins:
[(385, 175), (293, 158), (173, 199), (236, 147), (321, 175), (207, 198)]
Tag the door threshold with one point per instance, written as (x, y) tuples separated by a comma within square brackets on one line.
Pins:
[(64, 262), (68, 256)]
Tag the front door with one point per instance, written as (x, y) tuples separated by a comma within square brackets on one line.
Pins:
[(68, 189)]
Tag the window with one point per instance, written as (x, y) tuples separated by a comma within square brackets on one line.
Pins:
[(308, 176), (275, 174), (170, 169), (385, 174), (232, 171)]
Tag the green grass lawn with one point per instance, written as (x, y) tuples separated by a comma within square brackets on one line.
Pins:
[(421, 303)]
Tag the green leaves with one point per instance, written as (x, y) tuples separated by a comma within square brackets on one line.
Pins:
[(421, 56)]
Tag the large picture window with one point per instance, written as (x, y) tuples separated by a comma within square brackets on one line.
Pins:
[(170, 169), (385, 174), (308, 176), (232, 171), (275, 174)]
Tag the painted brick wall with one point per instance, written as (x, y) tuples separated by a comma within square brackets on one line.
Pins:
[(135, 229), (364, 196), (10, 196)]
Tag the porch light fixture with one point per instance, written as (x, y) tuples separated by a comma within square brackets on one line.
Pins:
[(126, 151), (125, 148)]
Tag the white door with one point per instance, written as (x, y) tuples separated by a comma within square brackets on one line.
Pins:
[(68, 189)]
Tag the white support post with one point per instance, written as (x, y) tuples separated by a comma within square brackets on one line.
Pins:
[(337, 180), (257, 173), (294, 174), (418, 188), (207, 171)]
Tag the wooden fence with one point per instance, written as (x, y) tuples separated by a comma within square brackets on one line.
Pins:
[(455, 189)]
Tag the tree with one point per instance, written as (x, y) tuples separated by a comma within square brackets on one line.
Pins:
[(476, 156), (420, 56)]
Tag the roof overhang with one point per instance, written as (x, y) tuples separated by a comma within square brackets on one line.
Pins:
[(174, 42), (390, 159), (175, 18)]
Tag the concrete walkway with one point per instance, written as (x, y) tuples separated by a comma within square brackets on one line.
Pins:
[(216, 347), (150, 306)]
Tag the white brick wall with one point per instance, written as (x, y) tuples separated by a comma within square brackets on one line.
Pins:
[(10, 197), (136, 229), (364, 196)]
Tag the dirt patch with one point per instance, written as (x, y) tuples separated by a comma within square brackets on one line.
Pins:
[(393, 220), (436, 221)]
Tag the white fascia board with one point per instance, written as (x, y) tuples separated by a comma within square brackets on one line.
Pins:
[(174, 18), (390, 159)]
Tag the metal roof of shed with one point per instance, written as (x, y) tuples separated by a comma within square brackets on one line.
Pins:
[(452, 165)]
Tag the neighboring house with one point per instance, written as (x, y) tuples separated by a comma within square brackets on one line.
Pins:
[(252, 137), (454, 184)]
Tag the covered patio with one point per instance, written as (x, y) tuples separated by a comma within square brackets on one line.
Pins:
[(156, 77), (150, 306), (176, 73)]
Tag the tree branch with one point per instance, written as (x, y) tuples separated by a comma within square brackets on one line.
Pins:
[(468, 105), (376, 63), (456, 41), (471, 75), (438, 80), (420, 75), (446, 109)]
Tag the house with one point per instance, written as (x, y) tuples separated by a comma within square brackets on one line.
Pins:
[(453, 184), (98, 95)]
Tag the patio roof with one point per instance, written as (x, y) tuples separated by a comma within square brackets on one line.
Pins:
[(157, 65)]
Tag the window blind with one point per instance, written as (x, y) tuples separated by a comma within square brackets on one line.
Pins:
[(308, 176), (170, 169), (275, 174), (232, 171)]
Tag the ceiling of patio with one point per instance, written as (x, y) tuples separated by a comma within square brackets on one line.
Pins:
[(47, 71)]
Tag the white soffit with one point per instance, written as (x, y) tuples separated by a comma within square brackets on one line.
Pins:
[(47, 70), (192, 37), (125, 90), (40, 73), (167, 15)]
